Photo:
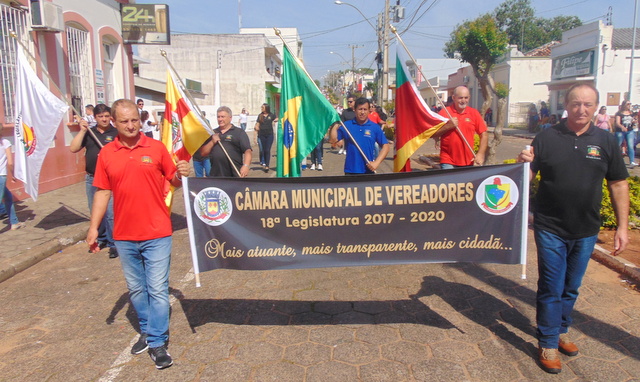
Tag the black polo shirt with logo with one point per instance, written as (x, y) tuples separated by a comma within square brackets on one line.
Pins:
[(572, 169), (93, 149)]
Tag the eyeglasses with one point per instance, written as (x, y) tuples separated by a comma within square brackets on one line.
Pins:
[(349, 101)]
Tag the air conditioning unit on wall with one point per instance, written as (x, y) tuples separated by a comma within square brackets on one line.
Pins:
[(46, 16)]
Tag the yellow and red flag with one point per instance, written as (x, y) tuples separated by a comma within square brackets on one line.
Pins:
[(414, 121), (184, 130)]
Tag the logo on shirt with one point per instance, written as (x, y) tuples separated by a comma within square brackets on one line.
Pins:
[(367, 133), (497, 195), (108, 138), (213, 206), (228, 138), (594, 152), (146, 159)]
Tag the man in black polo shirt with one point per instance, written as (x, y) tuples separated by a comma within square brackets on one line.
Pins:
[(573, 157), (347, 115), (105, 133), (235, 141)]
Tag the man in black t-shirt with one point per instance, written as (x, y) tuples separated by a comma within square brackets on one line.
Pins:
[(573, 158), (236, 143), (347, 115), (104, 133)]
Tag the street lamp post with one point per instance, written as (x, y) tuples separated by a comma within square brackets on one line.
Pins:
[(383, 39), (345, 60), (338, 2)]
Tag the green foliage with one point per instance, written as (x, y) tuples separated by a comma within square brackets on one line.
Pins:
[(390, 105), (502, 91), (606, 211), (517, 19), (479, 42), (389, 132)]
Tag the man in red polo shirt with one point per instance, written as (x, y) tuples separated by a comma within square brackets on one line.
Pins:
[(454, 152), (134, 168)]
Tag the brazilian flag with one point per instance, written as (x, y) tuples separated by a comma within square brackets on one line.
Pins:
[(305, 116)]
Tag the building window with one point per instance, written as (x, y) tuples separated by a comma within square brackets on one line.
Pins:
[(15, 20), (109, 52), (79, 67)]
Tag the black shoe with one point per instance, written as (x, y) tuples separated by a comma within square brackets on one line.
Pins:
[(141, 345), (161, 357), (113, 253)]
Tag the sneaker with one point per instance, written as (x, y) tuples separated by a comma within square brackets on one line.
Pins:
[(341, 151), (113, 253), (319, 167), (566, 346), (313, 167), (549, 360), (141, 345), (633, 164), (17, 226), (161, 357)]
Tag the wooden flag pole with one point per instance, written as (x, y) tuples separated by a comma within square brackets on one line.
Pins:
[(395, 31), (279, 34), (163, 53)]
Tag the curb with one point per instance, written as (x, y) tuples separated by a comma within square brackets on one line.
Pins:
[(618, 264), (11, 267)]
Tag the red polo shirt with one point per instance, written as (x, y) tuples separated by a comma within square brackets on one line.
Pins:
[(453, 150), (137, 177)]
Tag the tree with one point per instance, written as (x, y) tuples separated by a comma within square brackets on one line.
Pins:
[(502, 92), (517, 19), (480, 43)]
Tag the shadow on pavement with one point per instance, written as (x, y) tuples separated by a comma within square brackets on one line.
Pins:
[(63, 216), (607, 334), (279, 312)]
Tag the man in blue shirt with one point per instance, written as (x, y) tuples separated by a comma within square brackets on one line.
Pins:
[(366, 134)]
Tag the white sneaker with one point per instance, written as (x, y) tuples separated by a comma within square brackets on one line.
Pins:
[(313, 167), (341, 151), (633, 164), (319, 167)]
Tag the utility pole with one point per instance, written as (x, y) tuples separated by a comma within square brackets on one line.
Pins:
[(385, 53), (353, 64)]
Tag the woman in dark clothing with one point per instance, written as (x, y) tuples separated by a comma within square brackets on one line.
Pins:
[(264, 129)]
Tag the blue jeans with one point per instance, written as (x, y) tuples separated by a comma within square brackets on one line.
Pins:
[(145, 265), (105, 231), (630, 138), (561, 265), (7, 199), (266, 141), (243, 126), (317, 153), (202, 167)]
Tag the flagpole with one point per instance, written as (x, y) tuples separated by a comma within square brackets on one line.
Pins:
[(163, 53), (51, 81), (279, 34), (395, 31)]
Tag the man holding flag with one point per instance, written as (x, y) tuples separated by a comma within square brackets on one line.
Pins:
[(229, 147), (130, 166), (360, 141)]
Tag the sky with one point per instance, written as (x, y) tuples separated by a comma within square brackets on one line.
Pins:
[(325, 27)]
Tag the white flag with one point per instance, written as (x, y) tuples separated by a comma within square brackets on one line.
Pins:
[(38, 115)]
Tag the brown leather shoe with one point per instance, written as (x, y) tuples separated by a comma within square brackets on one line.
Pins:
[(549, 360), (566, 346)]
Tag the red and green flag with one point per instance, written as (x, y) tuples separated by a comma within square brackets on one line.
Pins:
[(305, 116), (415, 122)]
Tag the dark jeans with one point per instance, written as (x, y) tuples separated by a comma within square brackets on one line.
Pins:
[(266, 142), (561, 265)]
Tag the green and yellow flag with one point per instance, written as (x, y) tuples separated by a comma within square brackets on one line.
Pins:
[(305, 117)]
